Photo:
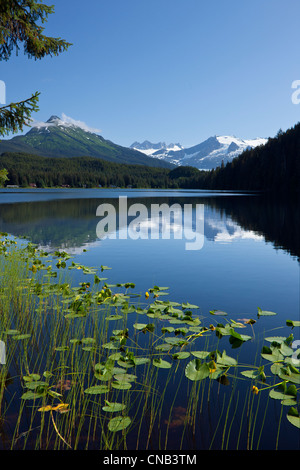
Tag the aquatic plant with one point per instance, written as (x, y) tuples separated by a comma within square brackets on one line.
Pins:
[(91, 362)]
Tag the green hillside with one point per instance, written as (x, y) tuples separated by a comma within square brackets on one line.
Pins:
[(274, 167), (69, 141), (25, 169)]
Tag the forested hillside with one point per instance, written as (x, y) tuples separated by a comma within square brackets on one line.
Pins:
[(273, 167), (24, 170)]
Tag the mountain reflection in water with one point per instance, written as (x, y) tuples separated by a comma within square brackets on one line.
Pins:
[(70, 224)]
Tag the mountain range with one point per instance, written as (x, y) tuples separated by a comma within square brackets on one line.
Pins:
[(67, 138), (207, 155), (64, 137)]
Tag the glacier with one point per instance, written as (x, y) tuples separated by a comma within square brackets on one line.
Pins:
[(207, 155)]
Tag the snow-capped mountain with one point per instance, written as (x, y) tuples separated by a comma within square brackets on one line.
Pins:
[(66, 137), (64, 121), (157, 149), (204, 156)]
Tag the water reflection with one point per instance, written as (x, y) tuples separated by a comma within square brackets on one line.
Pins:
[(71, 223)]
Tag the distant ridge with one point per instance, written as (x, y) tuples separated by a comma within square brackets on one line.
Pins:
[(207, 155), (68, 138)]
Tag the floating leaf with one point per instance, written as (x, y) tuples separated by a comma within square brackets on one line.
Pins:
[(119, 423), (222, 330), (238, 336), (104, 375), (75, 315), (12, 332), (289, 375), (88, 340), (22, 337), (114, 317), (195, 370), (200, 354), (293, 323), (139, 326), (62, 348), (33, 385), (121, 385), (97, 389), (187, 305), (176, 341), (275, 368), (181, 355), (225, 360), (164, 347), (167, 329), (293, 417), (251, 374), (113, 407), (161, 363), (261, 312), (275, 339), (31, 377), (111, 345), (125, 377), (32, 395), (273, 355), (217, 312), (103, 268), (141, 360)]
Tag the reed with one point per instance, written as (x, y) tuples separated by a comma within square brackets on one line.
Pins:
[(91, 365)]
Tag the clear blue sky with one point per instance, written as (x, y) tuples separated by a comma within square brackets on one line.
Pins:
[(171, 70)]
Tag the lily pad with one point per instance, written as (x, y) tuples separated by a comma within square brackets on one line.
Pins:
[(22, 337), (265, 313), (113, 407), (195, 370), (162, 364), (141, 360), (188, 305), (225, 360), (125, 377), (97, 390), (181, 355), (293, 323), (121, 385), (32, 395), (119, 423), (200, 354), (217, 312), (293, 417)]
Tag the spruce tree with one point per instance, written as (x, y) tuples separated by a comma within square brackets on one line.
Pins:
[(21, 23)]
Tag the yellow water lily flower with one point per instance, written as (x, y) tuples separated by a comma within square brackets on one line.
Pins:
[(45, 408), (62, 407), (255, 390), (146, 295)]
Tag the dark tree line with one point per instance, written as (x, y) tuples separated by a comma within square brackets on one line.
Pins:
[(25, 170), (274, 167)]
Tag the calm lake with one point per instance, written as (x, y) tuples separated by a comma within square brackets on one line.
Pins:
[(248, 257)]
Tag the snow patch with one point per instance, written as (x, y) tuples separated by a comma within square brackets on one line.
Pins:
[(64, 121)]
